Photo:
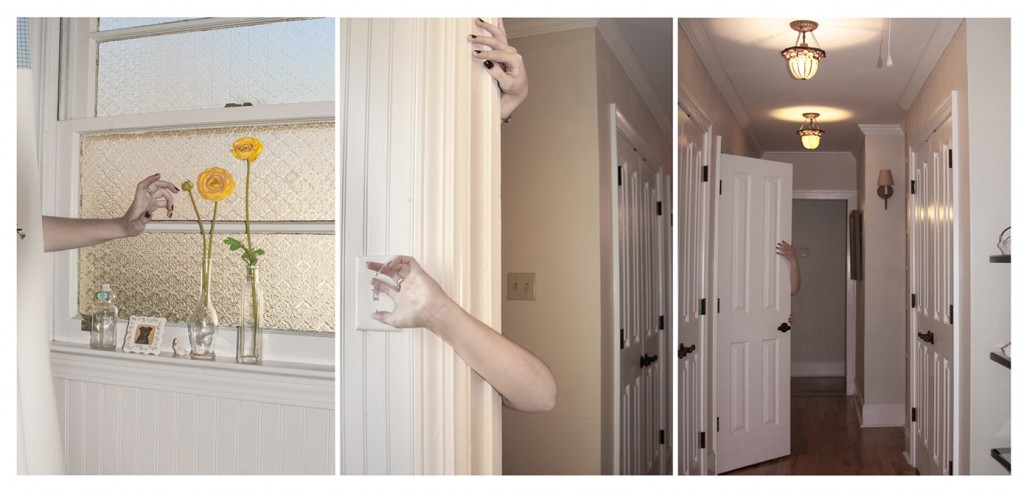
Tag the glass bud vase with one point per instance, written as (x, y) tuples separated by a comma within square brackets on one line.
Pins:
[(202, 324), (250, 327)]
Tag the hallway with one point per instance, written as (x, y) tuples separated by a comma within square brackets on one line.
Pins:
[(827, 439)]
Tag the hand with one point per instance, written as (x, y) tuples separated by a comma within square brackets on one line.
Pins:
[(418, 298), (151, 194), (504, 63), (786, 250)]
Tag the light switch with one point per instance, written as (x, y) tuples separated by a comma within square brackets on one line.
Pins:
[(369, 300), (522, 286), (803, 252)]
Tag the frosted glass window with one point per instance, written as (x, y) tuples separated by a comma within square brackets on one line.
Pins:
[(293, 180), (281, 62), (111, 23), (158, 274)]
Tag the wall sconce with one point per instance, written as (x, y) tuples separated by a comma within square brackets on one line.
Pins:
[(810, 133), (885, 184), (801, 58)]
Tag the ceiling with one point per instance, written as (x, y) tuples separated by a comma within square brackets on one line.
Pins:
[(853, 85)]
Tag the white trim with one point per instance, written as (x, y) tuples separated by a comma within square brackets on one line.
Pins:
[(616, 421), (204, 24), (850, 196), (831, 157), (521, 28), (880, 129), (612, 34), (238, 227), (936, 46), (818, 369), (882, 415)]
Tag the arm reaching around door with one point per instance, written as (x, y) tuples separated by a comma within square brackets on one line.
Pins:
[(504, 64), (523, 380), (789, 252), (65, 233)]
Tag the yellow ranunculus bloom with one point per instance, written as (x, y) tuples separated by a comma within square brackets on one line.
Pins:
[(215, 184), (247, 148)]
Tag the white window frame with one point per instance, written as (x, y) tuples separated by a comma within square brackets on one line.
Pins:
[(71, 92)]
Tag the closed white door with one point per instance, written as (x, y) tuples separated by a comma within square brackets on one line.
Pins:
[(641, 237), (691, 296), (931, 301), (752, 341)]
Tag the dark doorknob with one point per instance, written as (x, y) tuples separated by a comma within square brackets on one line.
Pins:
[(647, 360), (684, 350), (784, 327), (928, 337)]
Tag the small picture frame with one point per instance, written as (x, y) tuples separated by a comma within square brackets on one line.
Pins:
[(144, 335)]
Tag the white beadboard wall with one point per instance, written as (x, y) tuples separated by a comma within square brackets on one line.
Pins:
[(129, 414)]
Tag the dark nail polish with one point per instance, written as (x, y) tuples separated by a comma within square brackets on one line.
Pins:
[(176, 189), (476, 51), (472, 36), (148, 215), (479, 19), (489, 64)]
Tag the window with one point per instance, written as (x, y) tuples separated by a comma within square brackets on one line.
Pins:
[(140, 96)]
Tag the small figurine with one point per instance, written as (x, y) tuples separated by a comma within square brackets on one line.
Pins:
[(178, 349)]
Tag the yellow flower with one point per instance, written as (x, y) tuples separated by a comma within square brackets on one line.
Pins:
[(247, 148), (215, 184), (186, 185)]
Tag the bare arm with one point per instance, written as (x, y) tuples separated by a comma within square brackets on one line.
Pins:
[(523, 380), (504, 63), (789, 252), (65, 233)]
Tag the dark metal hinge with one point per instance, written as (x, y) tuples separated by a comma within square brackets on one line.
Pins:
[(622, 338), (913, 187), (661, 322), (659, 207), (702, 439), (717, 428), (950, 313), (950, 468), (913, 300), (620, 176), (913, 415), (661, 437), (703, 306), (704, 173), (951, 161), (718, 305), (719, 187)]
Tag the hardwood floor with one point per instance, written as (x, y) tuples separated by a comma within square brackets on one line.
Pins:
[(828, 440)]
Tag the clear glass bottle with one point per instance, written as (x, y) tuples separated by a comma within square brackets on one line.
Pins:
[(250, 329), (103, 331), (202, 324)]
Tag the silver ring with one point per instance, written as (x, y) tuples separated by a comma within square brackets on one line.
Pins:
[(149, 190), (400, 283)]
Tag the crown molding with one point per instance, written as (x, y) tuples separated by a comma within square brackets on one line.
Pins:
[(836, 157), (880, 129), (521, 28), (936, 46)]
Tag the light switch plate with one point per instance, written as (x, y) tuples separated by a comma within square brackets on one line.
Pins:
[(366, 305), (522, 286)]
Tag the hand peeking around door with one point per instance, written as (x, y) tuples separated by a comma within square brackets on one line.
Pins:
[(505, 65), (789, 252), (523, 380)]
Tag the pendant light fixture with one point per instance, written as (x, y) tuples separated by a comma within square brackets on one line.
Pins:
[(810, 133), (803, 59)]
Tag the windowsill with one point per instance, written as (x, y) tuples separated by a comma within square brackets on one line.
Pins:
[(272, 381)]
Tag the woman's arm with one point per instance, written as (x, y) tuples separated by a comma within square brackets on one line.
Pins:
[(523, 380), (65, 233), (505, 65), (789, 252)]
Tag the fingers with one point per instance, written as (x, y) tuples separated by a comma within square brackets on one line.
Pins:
[(510, 58), (385, 317), (490, 42), (161, 184), (497, 32), (384, 287), (149, 180), (162, 198)]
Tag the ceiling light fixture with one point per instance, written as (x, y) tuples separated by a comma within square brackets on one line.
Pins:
[(803, 59), (810, 133)]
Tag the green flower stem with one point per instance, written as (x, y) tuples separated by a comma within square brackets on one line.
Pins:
[(202, 234), (248, 234), (213, 222)]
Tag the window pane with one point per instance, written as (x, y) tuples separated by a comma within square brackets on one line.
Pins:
[(292, 180), (111, 23), (282, 62), (157, 274)]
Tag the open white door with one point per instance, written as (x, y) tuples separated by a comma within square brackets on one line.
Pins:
[(931, 300), (641, 234), (751, 340), (691, 295)]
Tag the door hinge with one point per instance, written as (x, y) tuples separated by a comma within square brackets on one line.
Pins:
[(702, 439), (717, 424), (661, 437), (703, 306), (950, 313), (950, 158), (704, 173), (913, 187), (913, 415), (950, 468), (622, 338), (718, 305), (659, 207), (661, 322), (719, 187), (913, 300), (620, 176)]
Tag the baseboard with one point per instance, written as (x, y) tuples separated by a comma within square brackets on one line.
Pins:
[(818, 369), (879, 415)]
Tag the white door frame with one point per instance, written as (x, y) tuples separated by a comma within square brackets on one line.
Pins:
[(850, 196)]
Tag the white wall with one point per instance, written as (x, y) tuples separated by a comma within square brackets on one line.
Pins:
[(819, 170), (882, 334)]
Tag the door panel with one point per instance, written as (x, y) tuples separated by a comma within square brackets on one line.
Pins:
[(641, 359), (931, 224), (755, 213)]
